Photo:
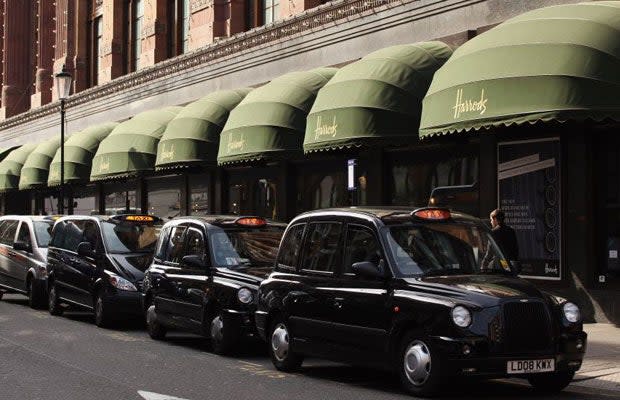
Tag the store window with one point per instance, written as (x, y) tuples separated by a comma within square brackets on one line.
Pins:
[(178, 23), (135, 11), (96, 46), (199, 195), (265, 197), (607, 161), (327, 186), (164, 196), (121, 198), (443, 178), (84, 201), (253, 193), (271, 11)]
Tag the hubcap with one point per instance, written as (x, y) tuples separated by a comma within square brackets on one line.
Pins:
[(217, 328), (279, 342), (417, 363)]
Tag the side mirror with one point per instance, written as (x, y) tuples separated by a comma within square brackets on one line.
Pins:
[(85, 249), (368, 269), (21, 245), (194, 262)]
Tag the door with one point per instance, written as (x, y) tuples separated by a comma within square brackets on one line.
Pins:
[(363, 315), (191, 281), (67, 267), (166, 261), (8, 229), (85, 270), (22, 258), (312, 306)]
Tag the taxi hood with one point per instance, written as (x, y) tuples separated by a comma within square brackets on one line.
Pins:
[(482, 290), (131, 266)]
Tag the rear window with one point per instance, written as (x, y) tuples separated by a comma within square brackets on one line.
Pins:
[(123, 236), (233, 248), (43, 232)]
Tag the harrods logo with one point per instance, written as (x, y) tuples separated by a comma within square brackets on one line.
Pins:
[(104, 165), (235, 145), (325, 130), (55, 173), (465, 106), (167, 154)]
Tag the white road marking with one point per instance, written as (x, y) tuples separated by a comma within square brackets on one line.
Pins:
[(157, 396)]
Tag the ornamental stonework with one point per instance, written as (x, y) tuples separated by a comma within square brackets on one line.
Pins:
[(197, 5)]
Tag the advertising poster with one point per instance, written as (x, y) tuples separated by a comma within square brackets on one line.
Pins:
[(529, 193)]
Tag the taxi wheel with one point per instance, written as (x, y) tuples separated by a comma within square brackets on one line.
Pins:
[(419, 366), (53, 304), (103, 318), (551, 382), (35, 298), (155, 329), (223, 339), (282, 355)]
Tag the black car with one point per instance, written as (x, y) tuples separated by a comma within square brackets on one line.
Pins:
[(205, 276), (426, 293), (98, 263), (23, 255)]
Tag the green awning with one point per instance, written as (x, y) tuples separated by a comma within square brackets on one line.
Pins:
[(80, 148), (36, 167), (131, 147), (556, 63), (376, 100), (269, 123), (193, 136), (11, 167)]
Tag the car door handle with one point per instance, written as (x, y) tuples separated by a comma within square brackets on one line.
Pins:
[(338, 302)]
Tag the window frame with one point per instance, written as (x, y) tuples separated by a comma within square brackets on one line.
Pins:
[(166, 260), (194, 228), (23, 224)]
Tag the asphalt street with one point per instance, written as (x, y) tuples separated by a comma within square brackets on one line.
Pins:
[(68, 357)]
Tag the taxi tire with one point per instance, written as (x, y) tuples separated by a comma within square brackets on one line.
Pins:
[(154, 328), (53, 304), (552, 382), (431, 386), (226, 343), (292, 361), (103, 319), (35, 297)]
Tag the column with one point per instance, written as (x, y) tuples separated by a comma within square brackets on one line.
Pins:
[(112, 63), (17, 58), (154, 46), (45, 53)]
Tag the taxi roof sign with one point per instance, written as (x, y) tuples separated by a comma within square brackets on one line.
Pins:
[(251, 221), (432, 213)]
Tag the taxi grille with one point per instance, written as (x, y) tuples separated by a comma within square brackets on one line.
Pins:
[(527, 327)]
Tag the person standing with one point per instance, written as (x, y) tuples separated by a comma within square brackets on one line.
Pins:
[(504, 235)]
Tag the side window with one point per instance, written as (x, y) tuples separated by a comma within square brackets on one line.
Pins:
[(73, 234), (91, 234), (173, 248), (160, 248), (361, 245), (195, 243), (7, 236), (322, 248), (24, 234), (58, 234), (291, 245)]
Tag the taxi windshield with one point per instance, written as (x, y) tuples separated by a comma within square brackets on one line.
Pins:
[(122, 236), (236, 248), (445, 249), (43, 232)]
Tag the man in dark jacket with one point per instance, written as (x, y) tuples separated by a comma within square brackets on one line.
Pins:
[(504, 235)]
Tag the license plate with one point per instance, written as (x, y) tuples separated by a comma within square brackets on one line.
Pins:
[(531, 366)]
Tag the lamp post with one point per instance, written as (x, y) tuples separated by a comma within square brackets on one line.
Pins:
[(63, 86)]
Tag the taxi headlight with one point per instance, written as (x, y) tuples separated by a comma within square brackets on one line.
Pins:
[(245, 295), (461, 316), (571, 312), (122, 283)]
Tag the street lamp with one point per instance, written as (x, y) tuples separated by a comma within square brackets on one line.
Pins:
[(63, 85)]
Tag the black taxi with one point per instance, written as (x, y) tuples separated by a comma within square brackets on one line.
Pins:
[(97, 263), (205, 275), (425, 292)]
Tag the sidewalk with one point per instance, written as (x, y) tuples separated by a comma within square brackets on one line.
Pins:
[(601, 366)]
